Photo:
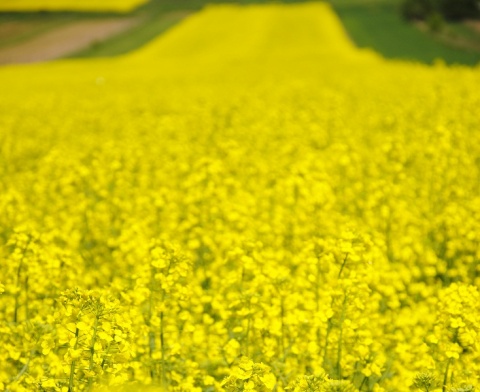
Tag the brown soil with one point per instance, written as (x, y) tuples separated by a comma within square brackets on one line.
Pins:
[(13, 29), (473, 24), (455, 41), (61, 41)]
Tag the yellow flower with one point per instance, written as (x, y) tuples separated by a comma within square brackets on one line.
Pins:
[(268, 380), (291, 213), (248, 386), (456, 322)]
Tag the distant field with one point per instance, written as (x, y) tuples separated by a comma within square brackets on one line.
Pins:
[(73, 5), (374, 24), (379, 25)]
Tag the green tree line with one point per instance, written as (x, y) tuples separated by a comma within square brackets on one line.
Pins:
[(448, 9)]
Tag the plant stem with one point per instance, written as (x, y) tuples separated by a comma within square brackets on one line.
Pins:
[(162, 344), (72, 366), (26, 299), (340, 338), (363, 382), (249, 320), (19, 271), (92, 351), (151, 333), (343, 266), (283, 327), (327, 335), (445, 377)]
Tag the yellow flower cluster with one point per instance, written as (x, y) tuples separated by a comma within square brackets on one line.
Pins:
[(249, 203), (123, 6)]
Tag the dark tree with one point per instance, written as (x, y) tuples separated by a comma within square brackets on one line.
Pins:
[(460, 9), (449, 9)]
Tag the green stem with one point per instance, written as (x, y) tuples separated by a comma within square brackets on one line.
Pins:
[(317, 300), (445, 377), (26, 300), (19, 271), (248, 327), (72, 366), (105, 356), (363, 382), (327, 335), (343, 266), (151, 333), (340, 338), (92, 351), (23, 370), (282, 309), (162, 344)]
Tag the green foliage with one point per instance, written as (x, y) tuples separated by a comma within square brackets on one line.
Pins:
[(449, 9), (463, 388), (459, 9), (425, 381), (367, 26), (435, 22), (419, 9)]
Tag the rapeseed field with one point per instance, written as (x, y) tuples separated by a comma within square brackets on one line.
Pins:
[(249, 203)]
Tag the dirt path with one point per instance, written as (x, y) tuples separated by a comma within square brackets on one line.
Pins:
[(12, 30), (473, 24), (454, 40), (65, 40)]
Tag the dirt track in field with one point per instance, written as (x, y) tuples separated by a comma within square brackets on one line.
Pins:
[(64, 40), (473, 24), (14, 29)]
